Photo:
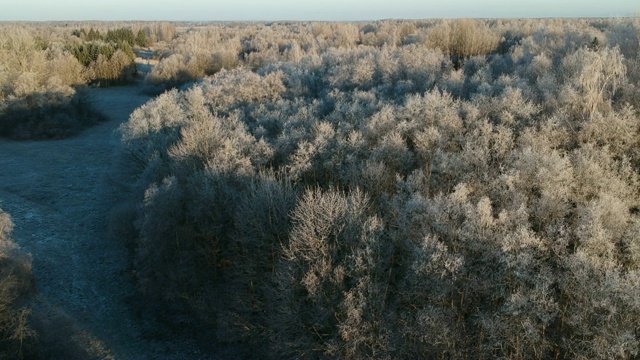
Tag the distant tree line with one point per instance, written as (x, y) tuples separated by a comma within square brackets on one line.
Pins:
[(115, 36)]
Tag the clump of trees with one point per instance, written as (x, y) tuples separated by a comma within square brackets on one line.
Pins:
[(408, 200), (134, 35), (17, 339), (205, 51), (109, 59), (41, 83)]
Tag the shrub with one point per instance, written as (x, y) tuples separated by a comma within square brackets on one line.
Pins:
[(261, 226), (170, 72), (463, 38), (117, 69), (16, 284), (332, 286), (592, 79)]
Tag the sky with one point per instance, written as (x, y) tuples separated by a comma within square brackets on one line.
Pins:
[(327, 10)]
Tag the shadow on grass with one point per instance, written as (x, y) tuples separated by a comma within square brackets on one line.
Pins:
[(60, 337), (48, 115)]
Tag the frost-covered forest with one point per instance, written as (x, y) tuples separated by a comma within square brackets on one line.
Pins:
[(393, 189), (439, 189)]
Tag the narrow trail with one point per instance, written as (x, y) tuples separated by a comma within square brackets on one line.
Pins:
[(59, 194)]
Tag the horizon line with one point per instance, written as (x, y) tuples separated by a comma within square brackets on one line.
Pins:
[(330, 21)]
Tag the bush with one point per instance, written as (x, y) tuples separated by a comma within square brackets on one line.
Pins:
[(332, 285), (17, 339), (463, 38), (117, 69)]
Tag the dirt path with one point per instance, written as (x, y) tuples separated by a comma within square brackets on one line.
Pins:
[(59, 194)]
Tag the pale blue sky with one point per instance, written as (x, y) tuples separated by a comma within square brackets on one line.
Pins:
[(202, 10)]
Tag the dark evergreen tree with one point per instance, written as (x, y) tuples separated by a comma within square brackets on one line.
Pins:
[(141, 39)]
